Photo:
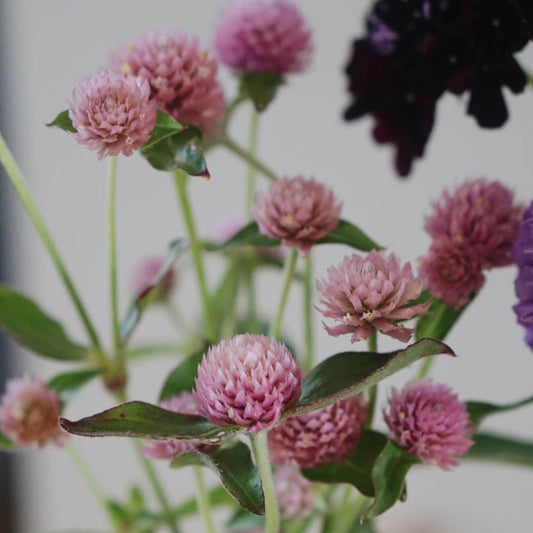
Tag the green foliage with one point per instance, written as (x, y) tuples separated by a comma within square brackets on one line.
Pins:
[(478, 411), (501, 449), (350, 235), (438, 321), (217, 496), (242, 520), (249, 236), (260, 87), (67, 384), (6, 444), (63, 122), (182, 378)]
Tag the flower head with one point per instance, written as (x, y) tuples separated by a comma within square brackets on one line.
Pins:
[(29, 413), (248, 381), (328, 435), (181, 76), (369, 294), (145, 275), (261, 36), (428, 420), (297, 211), (112, 113), (293, 492)]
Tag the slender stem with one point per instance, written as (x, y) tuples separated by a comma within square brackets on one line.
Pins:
[(252, 150), (180, 181), (373, 392), (112, 239), (262, 461), (425, 367), (252, 322), (19, 183), (203, 499), (290, 264), (232, 146), (158, 349), (307, 362)]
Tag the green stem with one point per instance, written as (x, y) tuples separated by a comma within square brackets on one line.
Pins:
[(112, 239), (425, 367), (307, 362), (252, 150), (232, 146), (373, 392), (203, 500), (262, 461), (252, 322), (19, 183), (290, 264), (180, 182)]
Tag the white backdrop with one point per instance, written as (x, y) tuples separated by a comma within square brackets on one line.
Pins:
[(52, 44)]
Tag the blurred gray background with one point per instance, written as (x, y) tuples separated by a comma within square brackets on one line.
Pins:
[(48, 46)]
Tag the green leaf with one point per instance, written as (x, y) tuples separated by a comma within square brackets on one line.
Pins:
[(217, 496), (501, 449), (347, 233), (233, 465), (377, 468), (478, 411), (260, 87), (165, 127), (226, 294), (250, 236), (63, 121), (438, 321), (6, 444), (146, 421), (346, 374), (67, 384), (150, 294), (182, 378), (30, 326), (242, 520)]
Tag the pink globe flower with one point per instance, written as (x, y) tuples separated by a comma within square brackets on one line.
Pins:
[(29, 413), (370, 294), (453, 273), (328, 435), (297, 211), (248, 381), (112, 113), (260, 36), (182, 77), (228, 227), (428, 420), (145, 274), (293, 492), (480, 215)]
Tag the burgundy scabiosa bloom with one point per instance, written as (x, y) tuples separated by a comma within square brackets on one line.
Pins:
[(182, 77), (369, 294), (293, 492), (112, 113), (297, 211), (29, 413), (428, 420), (327, 435), (248, 381), (263, 36), (145, 274)]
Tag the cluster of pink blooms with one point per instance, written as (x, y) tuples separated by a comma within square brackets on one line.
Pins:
[(473, 229), (29, 413), (145, 274), (368, 294)]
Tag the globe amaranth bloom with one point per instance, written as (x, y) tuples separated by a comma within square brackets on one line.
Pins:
[(428, 421), (369, 294), (182, 77), (248, 381), (263, 36), (523, 257), (413, 52), (327, 435), (293, 492), (297, 211), (145, 274), (29, 413), (112, 113)]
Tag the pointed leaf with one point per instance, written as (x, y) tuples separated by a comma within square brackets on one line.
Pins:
[(66, 385), (260, 87), (149, 295), (347, 233), (346, 374), (250, 236), (501, 449), (478, 411), (6, 444), (165, 126), (438, 321), (187, 154), (146, 421), (182, 378), (30, 326), (63, 121), (233, 465)]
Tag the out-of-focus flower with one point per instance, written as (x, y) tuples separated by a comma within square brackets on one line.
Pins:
[(182, 76), (327, 435), (228, 227), (263, 36), (297, 211), (145, 274), (428, 420), (369, 294), (29, 413), (293, 492), (248, 381), (112, 113)]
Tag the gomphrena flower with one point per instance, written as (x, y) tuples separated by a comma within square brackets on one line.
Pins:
[(327, 435), (293, 492), (428, 420), (369, 294), (185, 404), (112, 113), (263, 36), (297, 211), (248, 381), (29, 413), (523, 257), (182, 77), (145, 274)]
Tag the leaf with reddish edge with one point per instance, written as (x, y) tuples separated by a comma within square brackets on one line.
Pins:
[(478, 411), (349, 373), (145, 421)]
